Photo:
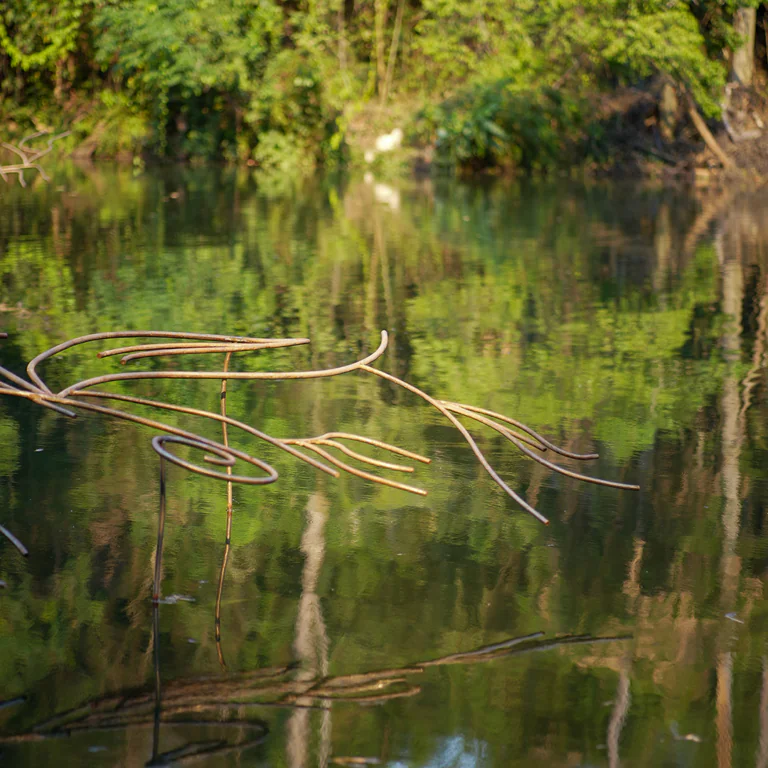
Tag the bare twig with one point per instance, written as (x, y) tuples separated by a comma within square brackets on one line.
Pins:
[(28, 156)]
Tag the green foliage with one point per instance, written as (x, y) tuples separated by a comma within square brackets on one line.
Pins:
[(185, 59), (281, 153), (37, 34), (456, 40), (530, 79), (507, 83), (654, 37), (500, 124), (292, 99), (117, 127), (292, 118), (716, 20)]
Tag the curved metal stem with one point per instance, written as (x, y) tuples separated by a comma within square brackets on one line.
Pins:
[(359, 456), (248, 375), (460, 410), (207, 349), (525, 428), (377, 444), (282, 444), (176, 343), (216, 346), (16, 543), (472, 444), (31, 368), (516, 441), (360, 473)]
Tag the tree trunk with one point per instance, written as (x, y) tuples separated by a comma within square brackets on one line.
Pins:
[(380, 29), (58, 89), (311, 642), (341, 29), (669, 108), (706, 134), (731, 441), (71, 72), (393, 51), (743, 62)]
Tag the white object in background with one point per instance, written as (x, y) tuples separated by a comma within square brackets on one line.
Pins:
[(389, 141), (387, 195)]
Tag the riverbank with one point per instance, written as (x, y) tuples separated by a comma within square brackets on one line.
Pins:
[(292, 89), (625, 138), (632, 133), (635, 134)]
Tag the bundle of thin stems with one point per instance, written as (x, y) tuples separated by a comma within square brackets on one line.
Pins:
[(324, 452)]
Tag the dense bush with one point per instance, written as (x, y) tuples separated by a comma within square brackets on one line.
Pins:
[(499, 125)]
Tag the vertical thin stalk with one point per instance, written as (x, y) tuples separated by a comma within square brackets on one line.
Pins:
[(226, 444), (156, 643), (217, 620), (160, 535), (228, 539)]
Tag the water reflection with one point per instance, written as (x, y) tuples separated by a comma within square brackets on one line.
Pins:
[(311, 642), (623, 322), (181, 711)]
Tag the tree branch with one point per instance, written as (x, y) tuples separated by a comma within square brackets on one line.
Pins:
[(29, 156), (706, 134)]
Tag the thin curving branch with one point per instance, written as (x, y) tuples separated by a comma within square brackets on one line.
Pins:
[(472, 444)]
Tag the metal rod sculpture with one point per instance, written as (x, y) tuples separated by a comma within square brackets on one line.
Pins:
[(327, 448)]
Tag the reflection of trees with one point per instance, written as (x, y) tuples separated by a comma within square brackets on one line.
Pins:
[(311, 642), (510, 302), (208, 705), (732, 437), (701, 607)]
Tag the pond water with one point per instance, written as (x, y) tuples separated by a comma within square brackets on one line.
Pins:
[(626, 321)]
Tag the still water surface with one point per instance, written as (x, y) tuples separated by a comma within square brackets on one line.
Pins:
[(628, 322)]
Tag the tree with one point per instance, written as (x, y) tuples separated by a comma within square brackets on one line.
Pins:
[(172, 53), (38, 36), (743, 61)]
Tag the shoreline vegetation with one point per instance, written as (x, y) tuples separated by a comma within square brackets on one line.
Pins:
[(668, 89)]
